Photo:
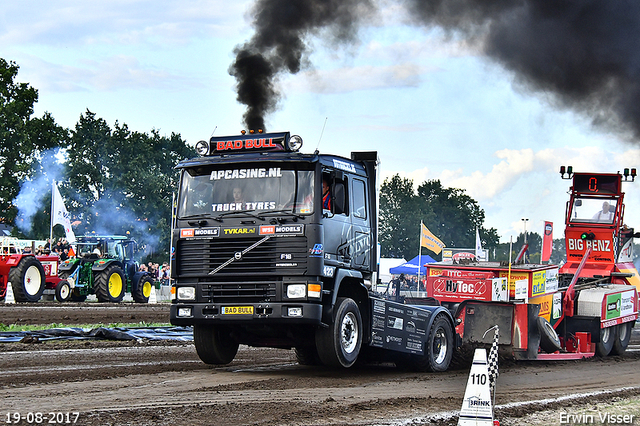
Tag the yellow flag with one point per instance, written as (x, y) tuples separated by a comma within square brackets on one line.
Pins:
[(428, 240)]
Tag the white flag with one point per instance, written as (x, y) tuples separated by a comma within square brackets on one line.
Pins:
[(479, 251), (60, 215)]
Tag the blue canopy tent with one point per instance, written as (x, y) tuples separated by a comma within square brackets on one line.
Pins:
[(411, 267)]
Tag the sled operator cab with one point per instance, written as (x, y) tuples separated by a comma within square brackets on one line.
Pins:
[(594, 219)]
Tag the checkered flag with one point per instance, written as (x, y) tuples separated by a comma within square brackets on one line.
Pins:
[(493, 359)]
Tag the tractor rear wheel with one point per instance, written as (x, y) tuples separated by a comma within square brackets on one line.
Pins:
[(110, 284), (27, 280), (143, 289)]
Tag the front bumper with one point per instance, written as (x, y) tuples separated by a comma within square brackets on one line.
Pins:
[(185, 313)]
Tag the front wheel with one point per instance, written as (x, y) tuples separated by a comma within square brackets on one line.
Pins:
[(63, 291), (622, 337), (214, 344), (339, 344), (607, 339), (438, 349), (143, 289), (109, 284), (27, 280)]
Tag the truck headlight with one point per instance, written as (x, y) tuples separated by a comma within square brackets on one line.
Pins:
[(186, 293), (184, 312), (296, 291)]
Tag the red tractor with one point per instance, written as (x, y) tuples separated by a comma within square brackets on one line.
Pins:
[(25, 272)]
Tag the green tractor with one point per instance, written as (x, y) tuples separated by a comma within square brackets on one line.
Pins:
[(103, 266)]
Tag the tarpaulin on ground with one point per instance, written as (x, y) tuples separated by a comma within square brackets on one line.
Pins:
[(100, 333)]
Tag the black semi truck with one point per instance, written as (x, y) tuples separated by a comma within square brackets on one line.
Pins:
[(263, 256)]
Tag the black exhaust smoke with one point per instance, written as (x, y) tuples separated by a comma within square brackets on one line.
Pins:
[(280, 45), (585, 53)]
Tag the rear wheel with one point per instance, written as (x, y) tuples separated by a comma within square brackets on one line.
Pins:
[(607, 339), (214, 344), (622, 337), (143, 290), (339, 344), (549, 340), (27, 280), (63, 291), (109, 284), (438, 349)]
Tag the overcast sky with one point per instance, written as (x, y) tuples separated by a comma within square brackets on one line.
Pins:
[(433, 107)]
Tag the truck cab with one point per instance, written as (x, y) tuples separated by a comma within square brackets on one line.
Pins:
[(258, 259)]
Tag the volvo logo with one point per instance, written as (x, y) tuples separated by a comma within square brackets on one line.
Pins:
[(237, 255)]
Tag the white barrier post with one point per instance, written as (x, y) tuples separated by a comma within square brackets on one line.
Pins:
[(9, 297), (476, 406)]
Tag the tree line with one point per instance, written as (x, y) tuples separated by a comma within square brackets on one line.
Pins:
[(113, 180)]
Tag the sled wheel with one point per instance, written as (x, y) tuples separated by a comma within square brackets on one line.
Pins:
[(339, 344), (214, 344), (27, 280), (109, 284), (143, 289), (607, 339), (63, 291), (549, 340), (438, 349), (622, 337)]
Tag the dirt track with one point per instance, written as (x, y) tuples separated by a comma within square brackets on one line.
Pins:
[(146, 383)]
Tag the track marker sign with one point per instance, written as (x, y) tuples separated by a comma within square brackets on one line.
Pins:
[(476, 406), (9, 297)]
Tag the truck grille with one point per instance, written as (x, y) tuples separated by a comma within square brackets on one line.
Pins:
[(275, 257), (243, 292)]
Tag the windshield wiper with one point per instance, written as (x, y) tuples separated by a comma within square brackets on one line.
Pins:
[(247, 212), (291, 212)]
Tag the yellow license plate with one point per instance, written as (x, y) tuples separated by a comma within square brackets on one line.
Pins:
[(237, 310)]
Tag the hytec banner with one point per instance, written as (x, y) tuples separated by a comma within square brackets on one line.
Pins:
[(60, 215), (547, 242), (430, 241)]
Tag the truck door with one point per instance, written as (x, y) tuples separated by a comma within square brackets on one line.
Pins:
[(361, 238), (336, 220)]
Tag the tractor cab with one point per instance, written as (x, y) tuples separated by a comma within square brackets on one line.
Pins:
[(594, 221)]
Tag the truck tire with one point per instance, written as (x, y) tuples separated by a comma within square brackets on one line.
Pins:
[(438, 350), (63, 291), (621, 340), (307, 355), (549, 339), (339, 344), (214, 344), (143, 289), (27, 280), (110, 284), (607, 339)]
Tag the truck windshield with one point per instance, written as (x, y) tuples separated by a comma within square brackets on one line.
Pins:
[(213, 191), (590, 210)]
